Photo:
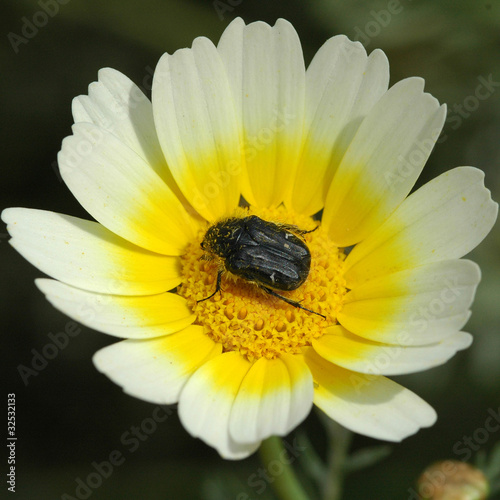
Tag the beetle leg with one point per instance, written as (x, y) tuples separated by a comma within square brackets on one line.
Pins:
[(303, 231), (217, 286), (296, 230), (293, 303)]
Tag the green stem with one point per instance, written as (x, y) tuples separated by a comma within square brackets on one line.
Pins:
[(339, 442), (276, 458)]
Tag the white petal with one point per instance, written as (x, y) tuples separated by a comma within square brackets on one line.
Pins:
[(156, 370), (206, 402), (342, 85), (416, 306), (274, 397), (371, 405), (197, 127), (383, 161), (302, 392), (138, 317), (86, 255), (364, 356), (119, 189), (265, 67), (118, 105), (444, 219)]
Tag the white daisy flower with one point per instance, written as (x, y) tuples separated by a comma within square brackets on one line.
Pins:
[(244, 120)]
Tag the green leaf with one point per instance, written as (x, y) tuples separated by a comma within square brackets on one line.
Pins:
[(366, 457)]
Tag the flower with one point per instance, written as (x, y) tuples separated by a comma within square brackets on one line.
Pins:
[(245, 119), (453, 480)]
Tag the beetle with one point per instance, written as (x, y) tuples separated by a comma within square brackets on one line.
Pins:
[(272, 256)]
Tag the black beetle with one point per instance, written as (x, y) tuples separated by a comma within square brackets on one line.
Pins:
[(270, 255)]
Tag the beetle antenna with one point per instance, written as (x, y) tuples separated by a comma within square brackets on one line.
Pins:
[(293, 303)]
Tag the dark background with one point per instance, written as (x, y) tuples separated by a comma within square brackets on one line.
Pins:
[(69, 415)]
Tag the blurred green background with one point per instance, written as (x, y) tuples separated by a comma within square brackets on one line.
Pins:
[(69, 416)]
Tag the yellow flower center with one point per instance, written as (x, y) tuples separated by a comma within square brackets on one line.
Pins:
[(243, 317)]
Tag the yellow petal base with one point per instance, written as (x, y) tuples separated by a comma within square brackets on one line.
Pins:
[(244, 318)]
